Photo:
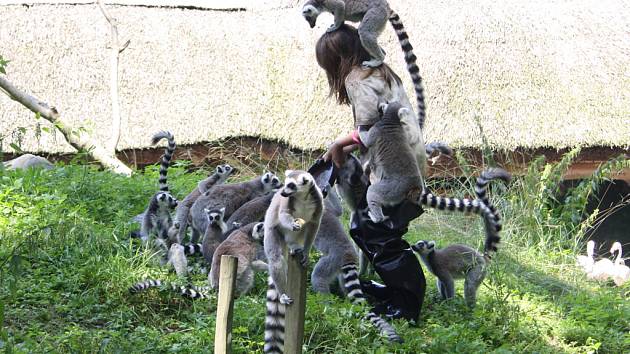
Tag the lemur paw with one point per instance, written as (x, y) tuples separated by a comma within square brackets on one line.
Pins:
[(332, 28), (374, 63), (297, 224), (300, 255), (285, 299)]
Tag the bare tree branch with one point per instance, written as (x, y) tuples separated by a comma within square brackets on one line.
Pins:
[(114, 51), (78, 138)]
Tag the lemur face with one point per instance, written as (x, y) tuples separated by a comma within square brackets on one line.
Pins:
[(224, 170), (258, 232), (424, 247), (310, 14), (270, 181), (165, 199), (215, 216), (295, 182)]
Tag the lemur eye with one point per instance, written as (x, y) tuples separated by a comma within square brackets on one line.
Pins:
[(291, 185)]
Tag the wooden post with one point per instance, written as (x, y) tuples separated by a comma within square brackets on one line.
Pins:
[(294, 317), (225, 305)]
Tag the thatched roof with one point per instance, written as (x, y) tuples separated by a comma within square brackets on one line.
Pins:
[(529, 73)]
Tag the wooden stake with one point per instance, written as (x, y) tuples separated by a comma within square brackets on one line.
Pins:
[(225, 305), (294, 318)]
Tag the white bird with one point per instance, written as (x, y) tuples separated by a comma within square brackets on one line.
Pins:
[(601, 270), (586, 262), (621, 272)]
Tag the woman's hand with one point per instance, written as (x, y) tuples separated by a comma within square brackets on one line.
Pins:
[(336, 154)]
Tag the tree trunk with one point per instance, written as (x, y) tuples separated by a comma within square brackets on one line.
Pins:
[(78, 138), (114, 52)]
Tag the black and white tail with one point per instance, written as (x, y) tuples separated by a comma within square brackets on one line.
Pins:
[(481, 191), (467, 206), (383, 327), (412, 67), (166, 158), (350, 274), (274, 321), (191, 249), (191, 291)]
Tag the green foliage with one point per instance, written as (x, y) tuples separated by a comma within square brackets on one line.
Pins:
[(3, 65), (66, 263)]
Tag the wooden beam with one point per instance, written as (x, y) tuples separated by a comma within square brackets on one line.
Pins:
[(225, 305), (294, 317)]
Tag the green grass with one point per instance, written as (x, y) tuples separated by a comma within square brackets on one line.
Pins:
[(66, 263)]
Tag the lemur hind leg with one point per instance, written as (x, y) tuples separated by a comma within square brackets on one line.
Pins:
[(371, 26)]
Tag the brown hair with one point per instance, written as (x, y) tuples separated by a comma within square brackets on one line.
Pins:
[(339, 52)]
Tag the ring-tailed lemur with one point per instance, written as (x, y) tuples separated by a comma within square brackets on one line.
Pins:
[(214, 233), (242, 243), (291, 223), (393, 168), (454, 262), (339, 260), (157, 219), (373, 15), (231, 197), (190, 291), (462, 262), (221, 173)]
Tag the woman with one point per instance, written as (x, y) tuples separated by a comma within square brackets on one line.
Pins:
[(340, 54)]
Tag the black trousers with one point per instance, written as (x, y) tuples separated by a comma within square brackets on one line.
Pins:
[(404, 284)]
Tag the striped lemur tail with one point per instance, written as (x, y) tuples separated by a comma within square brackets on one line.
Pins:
[(481, 191), (166, 158), (412, 67), (190, 291), (274, 321), (350, 274), (191, 249)]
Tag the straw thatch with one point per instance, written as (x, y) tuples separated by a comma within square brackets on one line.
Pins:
[(525, 73)]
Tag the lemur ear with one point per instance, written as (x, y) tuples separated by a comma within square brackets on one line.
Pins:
[(382, 107), (219, 169), (403, 112), (431, 244), (222, 210), (287, 173)]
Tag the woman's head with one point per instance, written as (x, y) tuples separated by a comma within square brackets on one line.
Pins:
[(339, 52)]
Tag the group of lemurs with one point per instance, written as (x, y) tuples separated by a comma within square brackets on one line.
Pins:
[(261, 220)]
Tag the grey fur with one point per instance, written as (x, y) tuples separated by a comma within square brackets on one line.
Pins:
[(221, 173), (231, 197), (177, 259), (244, 244), (252, 211), (454, 262), (393, 168), (291, 224), (214, 233)]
